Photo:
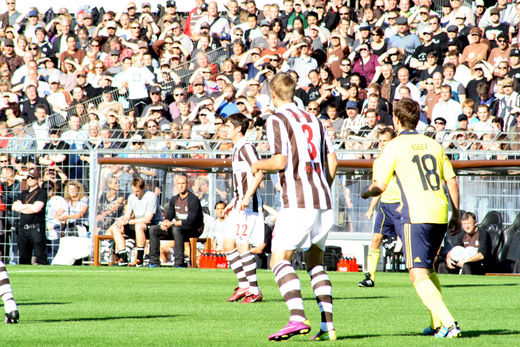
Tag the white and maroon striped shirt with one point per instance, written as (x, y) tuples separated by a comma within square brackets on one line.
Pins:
[(302, 139), (244, 155)]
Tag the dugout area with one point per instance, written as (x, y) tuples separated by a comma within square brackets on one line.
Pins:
[(486, 186)]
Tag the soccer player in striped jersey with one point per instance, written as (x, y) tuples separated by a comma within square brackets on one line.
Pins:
[(6, 292), (388, 219), (245, 225), (306, 164), (421, 169)]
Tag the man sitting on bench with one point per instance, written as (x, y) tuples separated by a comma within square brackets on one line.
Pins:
[(142, 211), (183, 220)]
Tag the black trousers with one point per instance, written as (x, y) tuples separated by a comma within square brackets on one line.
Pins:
[(180, 237), (156, 235), (32, 239), (473, 268)]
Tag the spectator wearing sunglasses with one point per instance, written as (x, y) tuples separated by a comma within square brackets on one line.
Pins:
[(364, 63)]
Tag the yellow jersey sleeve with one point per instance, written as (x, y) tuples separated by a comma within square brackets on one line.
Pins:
[(392, 194), (421, 169)]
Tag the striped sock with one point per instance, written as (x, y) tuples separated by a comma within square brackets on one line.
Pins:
[(235, 263), (249, 265), (289, 285), (6, 292), (322, 288)]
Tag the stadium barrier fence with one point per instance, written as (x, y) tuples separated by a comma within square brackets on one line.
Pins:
[(485, 185)]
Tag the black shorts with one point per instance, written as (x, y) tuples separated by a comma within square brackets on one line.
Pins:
[(130, 231)]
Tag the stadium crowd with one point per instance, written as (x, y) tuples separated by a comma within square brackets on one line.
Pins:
[(155, 79)]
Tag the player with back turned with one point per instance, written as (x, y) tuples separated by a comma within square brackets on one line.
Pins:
[(306, 164), (421, 168)]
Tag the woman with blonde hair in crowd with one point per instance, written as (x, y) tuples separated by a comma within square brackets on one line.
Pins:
[(20, 45), (75, 219), (94, 76)]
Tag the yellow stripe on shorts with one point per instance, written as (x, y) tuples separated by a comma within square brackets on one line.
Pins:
[(408, 245)]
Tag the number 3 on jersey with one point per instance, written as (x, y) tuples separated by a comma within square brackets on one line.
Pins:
[(427, 167), (312, 149)]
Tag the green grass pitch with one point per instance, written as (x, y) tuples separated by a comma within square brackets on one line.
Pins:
[(87, 306)]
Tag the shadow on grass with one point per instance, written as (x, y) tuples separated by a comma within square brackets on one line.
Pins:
[(465, 334), (41, 303), (480, 285), (88, 319), (492, 332), (335, 298)]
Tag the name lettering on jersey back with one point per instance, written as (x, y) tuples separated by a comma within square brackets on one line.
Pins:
[(419, 147)]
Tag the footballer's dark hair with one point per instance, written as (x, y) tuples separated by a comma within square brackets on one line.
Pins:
[(239, 120), (408, 112), (138, 182), (220, 202), (468, 215)]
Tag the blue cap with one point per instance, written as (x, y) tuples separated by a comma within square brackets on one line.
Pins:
[(402, 20), (225, 36), (351, 104), (33, 13)]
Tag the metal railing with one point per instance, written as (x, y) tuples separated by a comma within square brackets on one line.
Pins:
[(82, 109)]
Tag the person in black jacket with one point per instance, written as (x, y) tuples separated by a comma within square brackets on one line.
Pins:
[(183, 220), (31, 226), (472, 257)]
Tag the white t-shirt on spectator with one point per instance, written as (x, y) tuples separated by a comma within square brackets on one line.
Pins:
[(449, 110), (137, 79), (484, 127)]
